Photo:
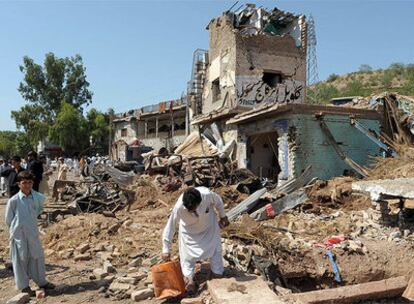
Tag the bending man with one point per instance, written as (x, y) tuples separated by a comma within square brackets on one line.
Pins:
[(198, 233)]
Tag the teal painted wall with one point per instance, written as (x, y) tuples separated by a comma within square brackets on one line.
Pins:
[(308, 145)]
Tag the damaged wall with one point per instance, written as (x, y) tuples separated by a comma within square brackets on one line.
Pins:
[(301, 142), (309, 145), (248, 69)]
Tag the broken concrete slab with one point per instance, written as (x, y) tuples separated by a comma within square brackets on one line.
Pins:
[(142, 294), (399, 187), (249, 289), (388, 288), (409, 291), (21, 298)]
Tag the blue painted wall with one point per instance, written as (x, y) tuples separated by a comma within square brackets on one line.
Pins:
[(312, 148)]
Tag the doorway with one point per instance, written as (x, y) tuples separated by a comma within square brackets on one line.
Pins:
[(262, 153)]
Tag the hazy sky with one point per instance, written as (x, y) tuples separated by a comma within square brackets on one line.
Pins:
[(140, 52)]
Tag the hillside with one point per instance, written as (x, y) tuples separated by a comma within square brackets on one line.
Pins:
[(397, 77)]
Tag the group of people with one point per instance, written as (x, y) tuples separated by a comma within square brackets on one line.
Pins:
[(198, 213)]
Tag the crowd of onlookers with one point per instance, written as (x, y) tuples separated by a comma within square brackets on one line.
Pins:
[(42, 167)]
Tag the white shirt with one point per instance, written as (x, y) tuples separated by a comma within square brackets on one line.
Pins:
[(199, 235)]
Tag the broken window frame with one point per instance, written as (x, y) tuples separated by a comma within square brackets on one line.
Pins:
[(277, 78), (216, 89)]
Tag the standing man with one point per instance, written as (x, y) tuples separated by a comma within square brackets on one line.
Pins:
[(26, 249), (62, 169), (11, 175), (35, 167), (198, 232)]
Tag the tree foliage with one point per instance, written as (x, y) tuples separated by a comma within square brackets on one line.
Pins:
[(57, 93), (14, 143)]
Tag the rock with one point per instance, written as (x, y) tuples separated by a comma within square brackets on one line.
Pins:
[(127, 223), (192, 301), (99, 247), (102, 289), (110, 278), (49, 252), (137, 275), (83, 248), (135, 262), (40, 294), (110, 247), (406, 232), (132, 269), (114, 228), (104, 256), (21, 298), (151, 262), (116, 286), (108, 267), (100, 273), (127, 280), (142, 294), (82, 257), (148, 280), (395, 235), (66, 254)]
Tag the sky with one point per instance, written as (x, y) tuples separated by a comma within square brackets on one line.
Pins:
[(138, 53)]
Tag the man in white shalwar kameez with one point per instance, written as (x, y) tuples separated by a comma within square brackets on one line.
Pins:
[(196, 214), (26, 249)]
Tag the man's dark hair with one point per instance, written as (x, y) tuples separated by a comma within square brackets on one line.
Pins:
[(191, 198), (25, 175), (16, 158), (32, 153)]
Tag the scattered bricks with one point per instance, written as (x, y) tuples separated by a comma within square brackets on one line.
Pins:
[(82, 257), (108, 267), (100, 273), (135, 262), (127, 280), (83, 248), (40, 294), (110, 278), (192, 301), (151, 262), (142, 294), (99, 247), (21, 298), (116, 286)]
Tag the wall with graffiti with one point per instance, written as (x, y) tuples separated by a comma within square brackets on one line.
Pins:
[(252, 90)]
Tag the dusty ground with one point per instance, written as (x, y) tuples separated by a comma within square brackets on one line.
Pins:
[(292, 238)]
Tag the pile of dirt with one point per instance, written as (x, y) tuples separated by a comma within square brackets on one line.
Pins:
[(390, 168)]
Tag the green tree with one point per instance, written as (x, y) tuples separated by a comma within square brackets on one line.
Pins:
[(69, 130), (365, 68), (98, 129), (332, 77), (46, 87), (355, 88), (14, 143)]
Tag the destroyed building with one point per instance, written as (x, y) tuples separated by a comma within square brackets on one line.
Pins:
[(154, 126), (248, 89)]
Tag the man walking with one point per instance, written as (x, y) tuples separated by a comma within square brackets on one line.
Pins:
[(11, 175), (35, 167), (26, 249), (199, 231)]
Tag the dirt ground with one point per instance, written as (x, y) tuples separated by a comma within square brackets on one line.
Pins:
[(371, 252)]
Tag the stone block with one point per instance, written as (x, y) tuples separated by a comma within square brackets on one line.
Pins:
[(137, 275), (142, 294), (192, 301), (135, 262), (116, 286), (82, 257), (100, 273), (127, 280), (108, 267), (21, 298), (83, 248)]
